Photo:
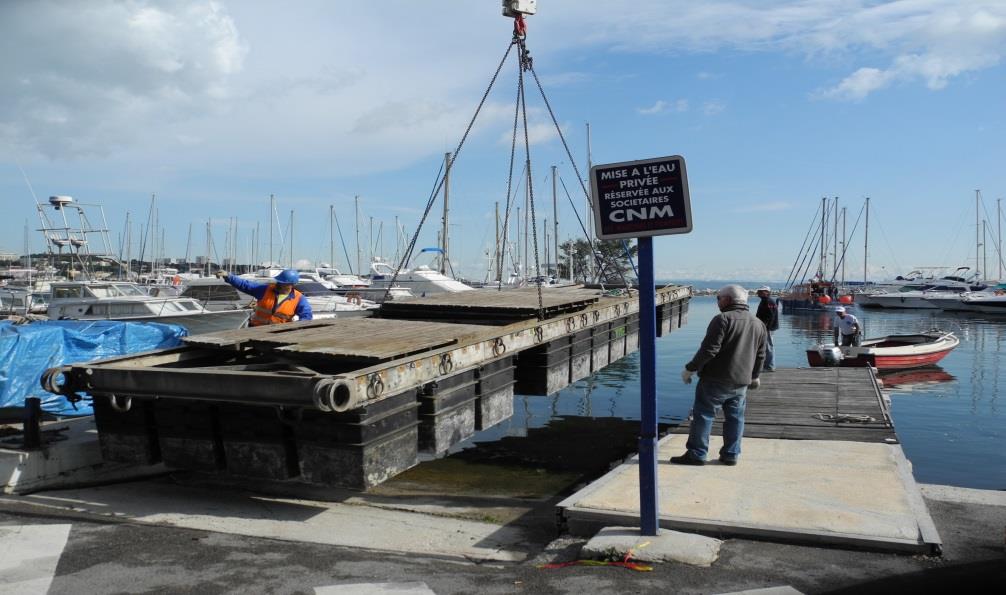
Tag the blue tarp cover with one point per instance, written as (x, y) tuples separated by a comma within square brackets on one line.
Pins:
[(27, 351)]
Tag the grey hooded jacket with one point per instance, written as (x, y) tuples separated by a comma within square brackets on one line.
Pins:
[(733, 350)]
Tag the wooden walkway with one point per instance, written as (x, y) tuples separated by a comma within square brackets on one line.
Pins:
[(815, 404)]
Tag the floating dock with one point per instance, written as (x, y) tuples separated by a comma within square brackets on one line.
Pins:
[(821, 464), (351, 403)]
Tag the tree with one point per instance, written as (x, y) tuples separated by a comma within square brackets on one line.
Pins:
[(614, 262)]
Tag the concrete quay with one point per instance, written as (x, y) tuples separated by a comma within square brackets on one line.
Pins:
[(176, 535)]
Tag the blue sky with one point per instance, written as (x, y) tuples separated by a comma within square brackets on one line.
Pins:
[(773, 104)]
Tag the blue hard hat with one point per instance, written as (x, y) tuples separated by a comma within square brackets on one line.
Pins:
[(288, 277)]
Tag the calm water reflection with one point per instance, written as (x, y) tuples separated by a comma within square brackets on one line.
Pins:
[(949, 417)]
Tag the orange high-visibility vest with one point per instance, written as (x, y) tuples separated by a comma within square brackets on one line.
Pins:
[(267, 312)]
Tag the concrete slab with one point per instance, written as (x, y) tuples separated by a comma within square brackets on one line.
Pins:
[(71, 456), (842, 493), (410, 588), (963, 495), (666, 546), (288, 519), (782, 590), (29, 555)]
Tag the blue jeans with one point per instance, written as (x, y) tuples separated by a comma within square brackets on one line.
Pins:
[(709, 397), (769, 353)]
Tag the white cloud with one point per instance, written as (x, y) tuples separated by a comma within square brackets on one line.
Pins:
[(661, 106), (656, 108), (91, 77), (905, 41), (537, 133), (713, 107)]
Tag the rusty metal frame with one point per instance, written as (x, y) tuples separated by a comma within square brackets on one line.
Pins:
[(145, 375)]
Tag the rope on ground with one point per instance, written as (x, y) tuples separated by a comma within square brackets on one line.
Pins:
[(625, 562), (845, 417)]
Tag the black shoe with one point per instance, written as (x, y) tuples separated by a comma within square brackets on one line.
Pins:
[(731, 461), (687, 459)]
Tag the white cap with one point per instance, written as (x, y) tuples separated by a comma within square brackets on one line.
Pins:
[(764, 288), (839, 310)]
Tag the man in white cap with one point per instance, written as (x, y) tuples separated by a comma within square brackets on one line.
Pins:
[(846, 328), (728, 363), (768, 313)]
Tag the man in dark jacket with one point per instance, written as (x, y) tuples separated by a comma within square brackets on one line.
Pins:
[(728, 362), (768, 312)]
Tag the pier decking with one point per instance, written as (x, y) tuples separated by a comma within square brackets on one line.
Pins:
[(820, 464)]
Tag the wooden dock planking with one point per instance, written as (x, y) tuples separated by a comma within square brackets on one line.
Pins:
[(785, 404), (379, 339), (235, 339), (492, 307)]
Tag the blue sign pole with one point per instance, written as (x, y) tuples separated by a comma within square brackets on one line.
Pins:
[(649, 508)]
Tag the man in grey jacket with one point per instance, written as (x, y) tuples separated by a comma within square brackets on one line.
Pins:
[(728, 362)]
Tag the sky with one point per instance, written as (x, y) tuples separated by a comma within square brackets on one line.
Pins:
[(213, 107)]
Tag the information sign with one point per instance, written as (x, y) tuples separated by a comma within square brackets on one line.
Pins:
[(642, 198)]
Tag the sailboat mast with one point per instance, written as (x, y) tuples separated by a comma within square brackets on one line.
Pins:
[(290, 259), (129, 244), (985, 256), (497, 256), (823, 263), (555, 223), (208, 267), (834, 241), (866, 239), (443, 234), (272, 210), (978, 231), (844, 240), (999, 234), (331, 235), (589, 209), (357, 216)]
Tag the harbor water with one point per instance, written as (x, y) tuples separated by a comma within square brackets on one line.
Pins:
[(950, 418)]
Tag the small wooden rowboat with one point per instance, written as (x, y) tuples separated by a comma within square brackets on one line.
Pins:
[(891, 352)]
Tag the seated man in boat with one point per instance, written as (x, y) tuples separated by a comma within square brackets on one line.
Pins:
[(846, 328), (277, 302)]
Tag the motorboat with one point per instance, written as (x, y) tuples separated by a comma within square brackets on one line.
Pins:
[(21, 301), (421, 280), (986, 302), (915, 297), (128, 302), (892, 351)]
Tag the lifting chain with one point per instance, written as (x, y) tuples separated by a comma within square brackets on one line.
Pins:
[(539, 334), (583, 320)]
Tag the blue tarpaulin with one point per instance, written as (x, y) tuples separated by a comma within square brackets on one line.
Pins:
[(27, 351)]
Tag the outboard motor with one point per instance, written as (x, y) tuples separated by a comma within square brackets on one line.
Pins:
[(831, 354)]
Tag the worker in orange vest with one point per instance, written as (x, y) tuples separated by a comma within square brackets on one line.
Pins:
[(277, 302)]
